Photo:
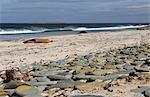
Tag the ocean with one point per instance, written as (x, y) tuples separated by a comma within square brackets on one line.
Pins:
[(16, 31)]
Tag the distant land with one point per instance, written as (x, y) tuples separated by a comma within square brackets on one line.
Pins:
[(48, 23)]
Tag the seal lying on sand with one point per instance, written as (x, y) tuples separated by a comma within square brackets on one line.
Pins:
[(37, 41)]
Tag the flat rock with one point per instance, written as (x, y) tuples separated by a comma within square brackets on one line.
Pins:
[(116, 75), (128, 67), (41, 79), (90, 86), (13, 85), (32, 83), (33, 96), (57, 77), (87, 96), (65, 84), (140, 90), (103, 71), (142, 57), (137, 63), (140, 69), (86, 77), (147, 92), (26, 90)]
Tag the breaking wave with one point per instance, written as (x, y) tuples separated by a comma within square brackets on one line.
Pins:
[(108, 28), (42, 30)]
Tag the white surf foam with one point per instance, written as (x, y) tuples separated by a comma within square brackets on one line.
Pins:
[(108, 28), (19, 31)]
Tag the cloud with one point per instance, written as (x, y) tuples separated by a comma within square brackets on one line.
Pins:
[(139, 6), (74, 10)]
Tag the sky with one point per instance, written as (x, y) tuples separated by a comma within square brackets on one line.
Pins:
[(75, 11)]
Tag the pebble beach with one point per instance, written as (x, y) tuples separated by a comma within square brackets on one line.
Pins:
[(105, 64)]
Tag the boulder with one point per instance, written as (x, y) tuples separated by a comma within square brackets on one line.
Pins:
[(26, 90), (38, 41)]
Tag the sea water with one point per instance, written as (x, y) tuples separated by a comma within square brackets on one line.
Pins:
[(15, 31)]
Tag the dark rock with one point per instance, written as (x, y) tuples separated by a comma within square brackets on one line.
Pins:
[(82, 32), (140, 69), (13, 85), (147, 92), (143, 28), (9, 75), (57, 77)]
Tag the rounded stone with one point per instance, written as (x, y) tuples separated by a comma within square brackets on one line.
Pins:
[(26, 90)]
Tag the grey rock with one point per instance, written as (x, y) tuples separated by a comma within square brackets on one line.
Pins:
[(128, 67), (34, 96), (116, 75), (57, 77), (41, 79), (147, 92), (41, 73), (13, 85), (125, 52), (86, 77), (138, 63), (10, 91), (140, 89), (65, 84), (32, 83), (87, 96), (41, 88), (142, 57), (81, 63)]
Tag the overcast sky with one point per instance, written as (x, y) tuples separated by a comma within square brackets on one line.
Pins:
[(74, 11)]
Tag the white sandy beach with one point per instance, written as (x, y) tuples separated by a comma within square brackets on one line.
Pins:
[(15, 53)]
